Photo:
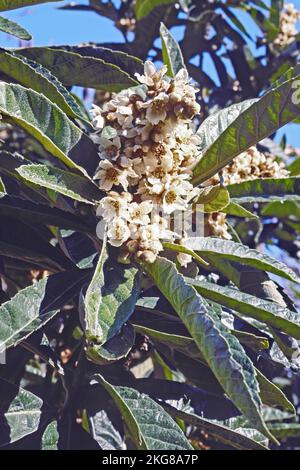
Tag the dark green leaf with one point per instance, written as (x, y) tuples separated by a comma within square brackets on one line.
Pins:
[(270, 313), (13, 4), (74, 69), (294, 167), (216, 431), (227, 249), (182, 249), (144, 7), (265, 190), (285, 431), (219, 203), (33, 75), (221, 350), (40, 213), (34, 306), (261, 119), (283, 209), (128, 63)]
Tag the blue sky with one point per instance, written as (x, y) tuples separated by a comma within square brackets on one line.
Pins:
[(51, 26)]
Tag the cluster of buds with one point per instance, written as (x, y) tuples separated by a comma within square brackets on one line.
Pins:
[(147, 149), (249, 165), (288, 29)]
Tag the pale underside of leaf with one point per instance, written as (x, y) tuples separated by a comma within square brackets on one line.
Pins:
[(151, 427)]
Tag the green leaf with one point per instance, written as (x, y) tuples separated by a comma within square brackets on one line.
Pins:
[(71, 69), (144, 7), (241, 425), (115, 348), (284, 431), (10, 27), (25, 242), (50, 437), (294, 167), (219, 203), (126, 62), (216, 431), (20, 412), (171, 52), (282, 209), (215, 124), (167, 329), (238, 211), (35, 76), (150, 426), (13, 4), (265, 190), (33, 307), (2, 189), (42, 119), (110, 299), (271, 395), (183, 249), (227, 249), (93, 298), (270, 313), (221, 350), (261, 119), (104, 432), (64, 182), (214, 198), (27, 211)]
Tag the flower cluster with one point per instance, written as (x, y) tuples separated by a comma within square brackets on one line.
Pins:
[(147, 150), (288, 30), (249, 165)]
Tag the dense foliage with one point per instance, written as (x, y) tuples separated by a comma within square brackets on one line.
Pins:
[(133, 339)]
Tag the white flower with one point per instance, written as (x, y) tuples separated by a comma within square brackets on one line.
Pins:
[(151, 75), (138, 213), (98, 119), (109, 175), (109, 148), (118, 232), (177, 191), (156, 108), (149, 238), (114, 205), (159, 156), (184, 259)]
